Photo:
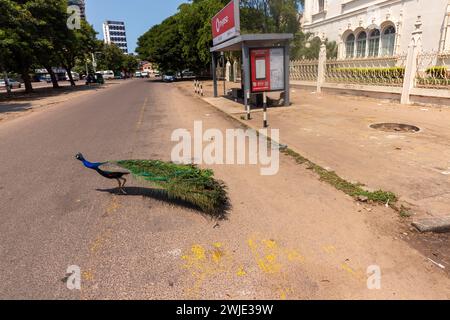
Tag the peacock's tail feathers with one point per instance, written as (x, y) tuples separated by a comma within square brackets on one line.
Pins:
[(182, 182)]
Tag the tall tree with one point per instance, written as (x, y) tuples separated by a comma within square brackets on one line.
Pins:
[(130, 64), (186, 36), (17, 27), (111, 58), (162, 44), (50, 32), (77, 44)]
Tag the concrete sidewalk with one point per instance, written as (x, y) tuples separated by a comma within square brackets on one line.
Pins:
[(334, 132)]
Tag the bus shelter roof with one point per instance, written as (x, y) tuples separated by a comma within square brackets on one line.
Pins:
[(253, 40)]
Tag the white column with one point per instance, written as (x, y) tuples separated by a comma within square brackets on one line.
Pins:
[(322, 64), (235, 71), (411, 62), (445, 45), (308, 11), (227, 71)]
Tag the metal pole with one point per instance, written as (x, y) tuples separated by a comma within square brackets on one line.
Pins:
[(213, 69), (246, 65), (224, 71), (265, 125), (287, 96), (94, 63), (247, 106)]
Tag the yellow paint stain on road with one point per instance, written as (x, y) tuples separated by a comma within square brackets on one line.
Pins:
[(217, 255), (198, 252), (270, 244), (97, 244), (274, 261), (330, 249), (359, 275), (203, 263), (87, 276), (294, 256), (241, 272)]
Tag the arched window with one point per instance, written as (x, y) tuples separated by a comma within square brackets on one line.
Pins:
[(374, 43), (388, 41), (350, 46), (361, 44)]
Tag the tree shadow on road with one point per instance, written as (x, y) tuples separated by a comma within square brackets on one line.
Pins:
[(161, 195), (18, 107), (46, 92)]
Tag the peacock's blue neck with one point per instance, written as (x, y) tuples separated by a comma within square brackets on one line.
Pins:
[(91, 165)]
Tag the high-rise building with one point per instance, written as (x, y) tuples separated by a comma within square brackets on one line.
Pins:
[(114, 32), (81, 4)]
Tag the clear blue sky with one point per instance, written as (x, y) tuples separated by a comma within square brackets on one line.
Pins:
[(138, 15)]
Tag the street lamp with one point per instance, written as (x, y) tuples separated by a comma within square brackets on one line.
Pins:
[(94, 62)]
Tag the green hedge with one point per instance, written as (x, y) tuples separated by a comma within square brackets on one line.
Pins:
[(386, 73), (439, 72)]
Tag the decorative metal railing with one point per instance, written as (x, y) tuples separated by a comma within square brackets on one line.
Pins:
[(381, 71), (304, 70), (433, 70)]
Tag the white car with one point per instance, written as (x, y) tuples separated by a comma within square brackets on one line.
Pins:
[(75, 76), (107, 75), (12, 84)]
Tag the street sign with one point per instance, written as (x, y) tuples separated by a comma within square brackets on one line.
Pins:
[(267, 69), (226, 24)]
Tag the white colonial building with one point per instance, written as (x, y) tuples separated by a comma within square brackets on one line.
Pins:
[(370, 28)]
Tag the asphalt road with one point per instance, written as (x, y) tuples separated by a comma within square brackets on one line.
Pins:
[(288, 236)]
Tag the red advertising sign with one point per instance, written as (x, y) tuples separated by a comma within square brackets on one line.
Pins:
[(260, 67), (267, 69), (226, 24)]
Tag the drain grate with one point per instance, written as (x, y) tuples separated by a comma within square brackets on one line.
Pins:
[(395, 127)]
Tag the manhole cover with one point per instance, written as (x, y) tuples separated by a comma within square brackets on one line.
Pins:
[(395, 127)]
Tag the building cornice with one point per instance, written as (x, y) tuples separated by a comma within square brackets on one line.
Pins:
[(346, 15)]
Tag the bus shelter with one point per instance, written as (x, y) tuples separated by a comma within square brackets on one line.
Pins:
[(265, 63)]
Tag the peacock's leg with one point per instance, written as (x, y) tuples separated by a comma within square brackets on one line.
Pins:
[(123, 185), (120, 184)]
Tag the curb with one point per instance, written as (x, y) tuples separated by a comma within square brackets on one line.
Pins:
[(438, 224)]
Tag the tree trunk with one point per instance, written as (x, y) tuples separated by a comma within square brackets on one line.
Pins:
[(53, 77), (27, 80), (69, 73), (8, 88)]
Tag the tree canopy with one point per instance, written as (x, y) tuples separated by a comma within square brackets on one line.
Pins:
[(34, 33), (182, 41)]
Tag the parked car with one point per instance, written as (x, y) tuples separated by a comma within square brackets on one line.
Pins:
[(138, 74), (107, 74), (95, 78), (75, 76), (169, 77), (188, 74), (145, 74), (13, 84)]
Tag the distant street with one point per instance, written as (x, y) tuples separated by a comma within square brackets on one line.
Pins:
[(287, 236)]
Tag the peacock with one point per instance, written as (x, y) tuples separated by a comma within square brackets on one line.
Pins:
[(180, 182)]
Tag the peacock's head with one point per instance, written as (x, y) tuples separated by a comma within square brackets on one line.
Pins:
[(79, 156)]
